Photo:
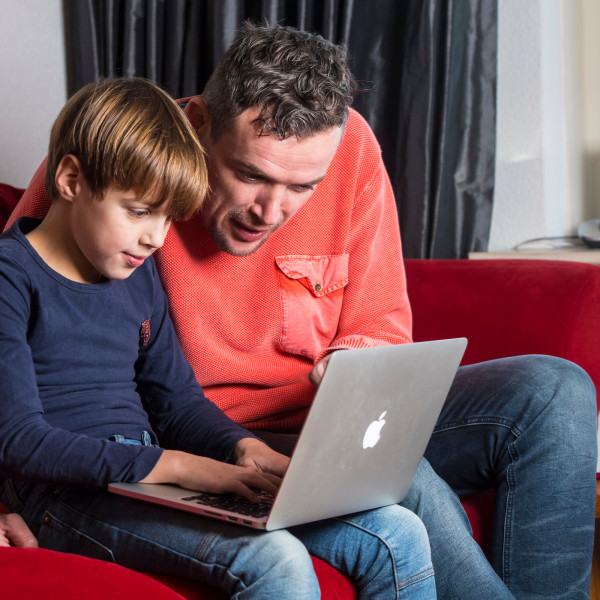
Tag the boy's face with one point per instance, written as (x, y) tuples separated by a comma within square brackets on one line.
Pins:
[(113, 236)]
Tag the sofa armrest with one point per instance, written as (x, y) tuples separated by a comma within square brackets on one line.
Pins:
[(509, 307)]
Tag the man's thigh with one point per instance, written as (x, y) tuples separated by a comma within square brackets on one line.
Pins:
[(493, 403)]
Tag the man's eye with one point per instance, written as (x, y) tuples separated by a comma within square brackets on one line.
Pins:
[(249, 177), (304, 188)]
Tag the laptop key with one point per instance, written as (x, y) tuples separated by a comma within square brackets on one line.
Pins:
[(235, 503)]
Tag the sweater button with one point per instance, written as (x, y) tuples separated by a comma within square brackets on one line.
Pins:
[(318, 287)]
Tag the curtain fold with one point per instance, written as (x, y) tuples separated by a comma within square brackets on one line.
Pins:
[(427, 69)]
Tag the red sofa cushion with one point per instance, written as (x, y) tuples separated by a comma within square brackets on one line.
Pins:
[(31, 574)]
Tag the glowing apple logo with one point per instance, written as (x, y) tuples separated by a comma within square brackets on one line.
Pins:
[(373, 432)]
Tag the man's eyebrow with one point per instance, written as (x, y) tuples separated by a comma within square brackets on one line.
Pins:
[(254, 169)]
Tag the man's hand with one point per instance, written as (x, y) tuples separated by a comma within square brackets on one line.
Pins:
[(318, 371), (14, 532), (257, 456)]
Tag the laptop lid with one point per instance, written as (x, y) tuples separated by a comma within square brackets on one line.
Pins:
[(367, 430)]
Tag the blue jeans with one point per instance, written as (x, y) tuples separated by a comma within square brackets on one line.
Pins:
[(525, 426), (385, 552)]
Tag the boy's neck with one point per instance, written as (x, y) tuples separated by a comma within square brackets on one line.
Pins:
[(53, 241)]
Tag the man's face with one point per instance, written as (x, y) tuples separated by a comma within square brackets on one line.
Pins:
[(259, 182)]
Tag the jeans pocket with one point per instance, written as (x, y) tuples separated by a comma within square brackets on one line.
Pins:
[(312, 292), (54, 534)]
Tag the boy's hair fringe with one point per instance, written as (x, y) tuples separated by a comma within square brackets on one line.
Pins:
[(130, 133)]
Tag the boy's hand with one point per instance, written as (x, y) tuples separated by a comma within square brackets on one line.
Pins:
[(14, 532), (257, 456), (202, 474)]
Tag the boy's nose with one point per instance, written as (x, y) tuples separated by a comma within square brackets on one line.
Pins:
[(155, 235)]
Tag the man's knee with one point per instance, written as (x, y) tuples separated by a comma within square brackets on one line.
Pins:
[(565, 393)]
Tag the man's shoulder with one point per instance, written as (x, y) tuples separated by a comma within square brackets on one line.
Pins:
[(358, 156), (359, 139)]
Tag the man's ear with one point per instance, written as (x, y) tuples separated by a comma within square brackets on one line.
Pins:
[(197, 113), (68, 177)]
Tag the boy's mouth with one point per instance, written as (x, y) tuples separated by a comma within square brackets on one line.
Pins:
[(133, 260)]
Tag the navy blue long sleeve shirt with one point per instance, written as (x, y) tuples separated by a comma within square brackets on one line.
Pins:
[(81, 362)]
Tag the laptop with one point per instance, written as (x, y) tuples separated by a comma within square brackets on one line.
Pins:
[(359, 448)]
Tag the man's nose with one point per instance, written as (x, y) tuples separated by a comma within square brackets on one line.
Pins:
[(267, 205)]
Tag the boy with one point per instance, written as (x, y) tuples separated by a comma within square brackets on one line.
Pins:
[(89, 359)]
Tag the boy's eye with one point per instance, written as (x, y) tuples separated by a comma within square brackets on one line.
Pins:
[(138, 212)]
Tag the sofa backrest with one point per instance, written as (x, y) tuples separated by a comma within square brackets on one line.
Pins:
[(510, 307), (9, 196)]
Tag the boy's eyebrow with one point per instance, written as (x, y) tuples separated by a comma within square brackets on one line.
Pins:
[(263, 175)]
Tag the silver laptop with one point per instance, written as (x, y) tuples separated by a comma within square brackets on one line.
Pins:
[(361, 444)]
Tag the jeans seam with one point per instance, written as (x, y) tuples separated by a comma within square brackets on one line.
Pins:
[(473, 421), (508, 515), (425, 574)]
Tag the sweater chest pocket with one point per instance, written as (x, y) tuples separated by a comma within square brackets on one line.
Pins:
[(312, 291)]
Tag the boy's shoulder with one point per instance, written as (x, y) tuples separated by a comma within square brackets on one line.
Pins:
[(12, 241)]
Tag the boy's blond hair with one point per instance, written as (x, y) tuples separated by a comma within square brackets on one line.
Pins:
[(129, 133)]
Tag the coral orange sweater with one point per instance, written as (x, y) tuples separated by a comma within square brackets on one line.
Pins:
[(332, 277)]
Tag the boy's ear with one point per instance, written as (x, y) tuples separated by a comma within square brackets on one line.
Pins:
[(197, 113), (68, 177)]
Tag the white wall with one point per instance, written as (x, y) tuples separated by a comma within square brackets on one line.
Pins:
[(589, 105), (537, 191), (32, 83)]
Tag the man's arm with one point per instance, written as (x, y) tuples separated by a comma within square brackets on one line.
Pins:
[(14, 532)]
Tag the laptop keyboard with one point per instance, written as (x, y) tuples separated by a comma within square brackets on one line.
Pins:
[(235, 503)]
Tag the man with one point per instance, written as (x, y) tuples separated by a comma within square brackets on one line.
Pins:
[(296, 253)]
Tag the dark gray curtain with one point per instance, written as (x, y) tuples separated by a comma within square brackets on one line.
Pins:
[(427, 68)]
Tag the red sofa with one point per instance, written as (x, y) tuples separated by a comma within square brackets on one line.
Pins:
[(503, 307)]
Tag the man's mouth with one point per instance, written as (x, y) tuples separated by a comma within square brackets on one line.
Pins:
[(247, 234)]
